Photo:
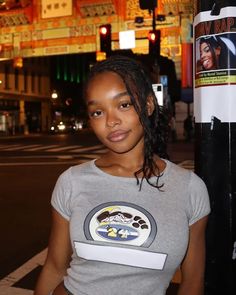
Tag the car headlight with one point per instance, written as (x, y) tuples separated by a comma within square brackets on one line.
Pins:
[(80, 125), (61, 126)]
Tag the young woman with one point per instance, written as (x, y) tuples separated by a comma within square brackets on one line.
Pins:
[(123, 223), (210, 52)]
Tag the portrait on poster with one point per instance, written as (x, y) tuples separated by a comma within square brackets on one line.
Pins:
[(215, 59), (215, 52), (215, 66)]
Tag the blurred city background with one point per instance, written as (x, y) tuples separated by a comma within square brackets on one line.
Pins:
[(46, 50), (48, 47)]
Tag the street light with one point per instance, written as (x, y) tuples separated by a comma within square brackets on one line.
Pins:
[(54, 94)]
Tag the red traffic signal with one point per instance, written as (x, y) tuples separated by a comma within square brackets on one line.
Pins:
[(103, 30), (105, 38), (154, 38)]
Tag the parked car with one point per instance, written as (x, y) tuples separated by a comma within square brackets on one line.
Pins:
[(62, 127), (68, 126), (80, 124)]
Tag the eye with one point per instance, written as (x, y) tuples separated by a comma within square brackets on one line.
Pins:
[(95, 114), (206, 49), (125, 105)]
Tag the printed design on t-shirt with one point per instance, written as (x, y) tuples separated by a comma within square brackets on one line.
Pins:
[(120, 222)]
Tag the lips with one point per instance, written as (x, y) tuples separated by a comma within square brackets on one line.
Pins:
[(206, 63), (117, 136)]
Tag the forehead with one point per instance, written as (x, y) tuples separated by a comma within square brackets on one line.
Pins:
[(104, 83), (106, 76), (204, 44)]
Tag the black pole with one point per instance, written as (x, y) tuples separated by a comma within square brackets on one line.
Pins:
[(153, 19), (215, 145)]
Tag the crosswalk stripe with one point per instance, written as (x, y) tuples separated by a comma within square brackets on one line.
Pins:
[(40, 148), (102, 151), (188, 164), (7, 282), (59, 149), (15, 291), (4, 146), (22, 147), (87, 148), (90, 156), (51, 163), (52, 148)]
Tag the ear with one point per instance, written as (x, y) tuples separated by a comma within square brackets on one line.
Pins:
[(218, 51), (150, 105)]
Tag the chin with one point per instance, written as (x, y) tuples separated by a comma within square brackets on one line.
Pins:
[(119, 152), (121, 149)]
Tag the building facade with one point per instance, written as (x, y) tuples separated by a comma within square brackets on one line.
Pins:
[(32, 28), (24, 96)]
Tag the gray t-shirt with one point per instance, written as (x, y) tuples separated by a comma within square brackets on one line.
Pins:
[(125, 240)]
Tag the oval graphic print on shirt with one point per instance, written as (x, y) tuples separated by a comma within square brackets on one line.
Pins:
[(120, 222)]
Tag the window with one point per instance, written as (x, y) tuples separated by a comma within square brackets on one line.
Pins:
[(16, 79), (25, 81), (6, 73), (32, 82), (39, 83)]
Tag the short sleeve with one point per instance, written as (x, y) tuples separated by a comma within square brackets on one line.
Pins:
[(62, 194), (199, 199)]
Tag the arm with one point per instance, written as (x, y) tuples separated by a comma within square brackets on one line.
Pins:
[(193, 266), (58, 257)]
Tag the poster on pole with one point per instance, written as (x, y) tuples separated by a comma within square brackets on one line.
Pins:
[(215, 66)]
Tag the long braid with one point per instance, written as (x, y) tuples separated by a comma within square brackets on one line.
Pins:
[(139, 87)]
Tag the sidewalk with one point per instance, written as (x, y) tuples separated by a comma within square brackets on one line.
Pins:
[(180, 151)]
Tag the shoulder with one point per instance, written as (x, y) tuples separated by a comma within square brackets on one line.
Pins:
[(177, 172), (67, 188), (186, 176), (193, 190), (76, 170)]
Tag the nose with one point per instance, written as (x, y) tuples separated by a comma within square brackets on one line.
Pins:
[(112, 119), (202, 54)]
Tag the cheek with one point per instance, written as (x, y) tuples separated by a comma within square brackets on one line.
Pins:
[(97, 126), (209, 55), (135, 120)]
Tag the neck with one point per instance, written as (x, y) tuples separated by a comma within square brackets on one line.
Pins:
[(129, 160)]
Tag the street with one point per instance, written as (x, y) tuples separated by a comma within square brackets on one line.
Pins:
[(26, 180), (29, 167)]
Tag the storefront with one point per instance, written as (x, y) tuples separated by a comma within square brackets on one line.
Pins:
[(9, 117)]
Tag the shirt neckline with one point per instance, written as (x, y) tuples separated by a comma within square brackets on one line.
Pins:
[(101, 172)]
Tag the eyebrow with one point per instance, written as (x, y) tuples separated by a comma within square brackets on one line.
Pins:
[(117, 96)]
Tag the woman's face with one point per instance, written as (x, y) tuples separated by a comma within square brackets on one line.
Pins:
[(208, 59), (112, 114)]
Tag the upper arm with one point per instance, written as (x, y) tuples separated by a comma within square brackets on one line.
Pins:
[(59, 248), (58, 257), (193, 265)]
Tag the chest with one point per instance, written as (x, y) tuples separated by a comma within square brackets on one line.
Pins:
[(148, 221)]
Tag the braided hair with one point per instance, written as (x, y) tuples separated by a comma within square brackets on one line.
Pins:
[(139, 87)]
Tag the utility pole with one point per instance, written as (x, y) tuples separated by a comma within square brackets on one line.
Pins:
[(153, 19), (215, 130)]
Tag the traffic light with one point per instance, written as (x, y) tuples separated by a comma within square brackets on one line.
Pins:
[(105, 38), (148, 4), (154, 38)]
